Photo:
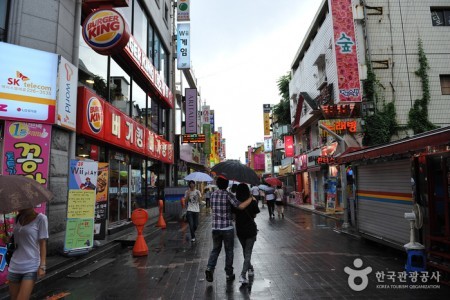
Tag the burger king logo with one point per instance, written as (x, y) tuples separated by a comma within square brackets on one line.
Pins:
[(95, 115), (105, 31)]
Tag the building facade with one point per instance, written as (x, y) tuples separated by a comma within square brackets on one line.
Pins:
[(120, 115)]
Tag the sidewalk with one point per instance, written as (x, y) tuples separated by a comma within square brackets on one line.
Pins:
[(59, 266)]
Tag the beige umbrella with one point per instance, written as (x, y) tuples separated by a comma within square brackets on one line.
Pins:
[(20, 192)]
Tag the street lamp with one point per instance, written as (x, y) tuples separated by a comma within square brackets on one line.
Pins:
[(343, 146)]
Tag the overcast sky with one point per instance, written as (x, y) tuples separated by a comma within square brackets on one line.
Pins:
[(239, 49)]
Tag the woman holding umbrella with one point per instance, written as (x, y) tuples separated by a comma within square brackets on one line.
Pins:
[(28, 262), (192, 197)]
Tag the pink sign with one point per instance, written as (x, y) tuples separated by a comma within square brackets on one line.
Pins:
[(345, 49), (26, 152)]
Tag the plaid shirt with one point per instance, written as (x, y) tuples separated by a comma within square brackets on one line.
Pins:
[(221, 202)]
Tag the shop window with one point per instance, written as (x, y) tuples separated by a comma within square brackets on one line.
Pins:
[(440, 16), (92, 69), (445, 84), (126, 12), (151, 41), (4, 8), (166, 12), (139, 104), (156, 52), (140, 26)]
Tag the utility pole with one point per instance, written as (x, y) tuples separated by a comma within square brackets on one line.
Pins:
[(343, 172)]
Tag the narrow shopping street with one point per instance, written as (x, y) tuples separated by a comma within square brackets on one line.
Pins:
[(302, 256)]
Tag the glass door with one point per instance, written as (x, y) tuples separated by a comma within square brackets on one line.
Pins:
[(118, 191)]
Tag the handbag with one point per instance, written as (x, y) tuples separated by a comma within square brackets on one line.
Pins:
[(10, 248)]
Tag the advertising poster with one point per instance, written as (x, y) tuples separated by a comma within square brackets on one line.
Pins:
[(27, 84), (81, 205), (331, 194), (101, 201)]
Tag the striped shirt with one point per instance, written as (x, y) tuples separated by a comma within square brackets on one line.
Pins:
[(221, 202)]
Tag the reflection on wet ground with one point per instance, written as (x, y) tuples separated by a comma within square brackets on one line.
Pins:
[(298, 257)]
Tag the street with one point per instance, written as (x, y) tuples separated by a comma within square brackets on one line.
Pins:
[(300, 257)]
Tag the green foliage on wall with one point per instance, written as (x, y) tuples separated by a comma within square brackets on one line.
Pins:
[(418, 114), (282, 110), (382, 125)]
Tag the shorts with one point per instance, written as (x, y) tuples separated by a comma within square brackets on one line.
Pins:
[(279, 203), (16, 277)]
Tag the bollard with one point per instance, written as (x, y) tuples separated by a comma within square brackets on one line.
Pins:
[(139, 217), (161, 223)]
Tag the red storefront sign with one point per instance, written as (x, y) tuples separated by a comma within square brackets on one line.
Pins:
[(289, 145), (102, 121)]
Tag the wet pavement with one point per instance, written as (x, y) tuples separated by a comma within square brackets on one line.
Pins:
[(302, 256)]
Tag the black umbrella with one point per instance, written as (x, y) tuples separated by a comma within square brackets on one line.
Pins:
[(235, 170)]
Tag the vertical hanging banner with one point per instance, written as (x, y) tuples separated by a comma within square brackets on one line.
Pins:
[(345, 49), (266, 111), (268, 162), (191, 110), (183, 9), (66, 95), (211, 120), (81, 206), (183, 46), (205, 114), (207, 143), (289, 145)]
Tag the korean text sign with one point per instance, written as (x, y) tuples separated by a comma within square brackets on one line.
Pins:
[(183, 46)]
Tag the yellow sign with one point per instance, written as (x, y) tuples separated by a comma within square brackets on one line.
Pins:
[(266, 124), (81, 204)]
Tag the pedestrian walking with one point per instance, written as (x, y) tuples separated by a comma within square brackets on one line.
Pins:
[(270, 200), (192, 197), (246, 230), (222, 228), (279, 196), (207, 194), (255, 192), (29, 259), (262, 196)]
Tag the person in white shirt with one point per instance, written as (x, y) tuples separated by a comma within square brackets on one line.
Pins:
[(192, 197), (279, 195), (28, 262), (255, 193)]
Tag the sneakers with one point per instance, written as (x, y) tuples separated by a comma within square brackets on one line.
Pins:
[(193, 240), (209, 275), (251, 272), (231, 277), (243, 280)]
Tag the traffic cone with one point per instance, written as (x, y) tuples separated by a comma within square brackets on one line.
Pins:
[(139, 217), (161, 223)]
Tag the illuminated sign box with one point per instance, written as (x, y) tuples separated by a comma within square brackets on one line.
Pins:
[(193, 138)]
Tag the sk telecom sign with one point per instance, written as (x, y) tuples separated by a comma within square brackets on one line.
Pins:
[(28, 82), (345, 49), (183, 46), (191, 110)]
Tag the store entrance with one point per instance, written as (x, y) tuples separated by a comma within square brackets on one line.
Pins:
[(119, 191)]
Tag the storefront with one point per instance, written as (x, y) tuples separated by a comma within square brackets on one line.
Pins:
[(133, 156), (302, 179)]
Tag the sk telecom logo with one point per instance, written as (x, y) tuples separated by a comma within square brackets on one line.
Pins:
[(19, 76)]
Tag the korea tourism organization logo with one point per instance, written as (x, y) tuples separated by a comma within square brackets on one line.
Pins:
[(358, 278), (94, 112), (105, 30)]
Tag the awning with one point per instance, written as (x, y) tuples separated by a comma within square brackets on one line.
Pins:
[(411, 145)]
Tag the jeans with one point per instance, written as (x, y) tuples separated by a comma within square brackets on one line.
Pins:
[(227, 237), (192, 218), (271, 206), (247, 249)]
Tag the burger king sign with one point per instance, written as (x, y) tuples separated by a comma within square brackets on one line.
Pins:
[(106, 31)]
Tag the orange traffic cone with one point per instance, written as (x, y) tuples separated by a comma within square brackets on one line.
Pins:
[(161, 223), (139, 217)]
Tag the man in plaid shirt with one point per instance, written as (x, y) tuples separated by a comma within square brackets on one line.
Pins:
[(222, 227)]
